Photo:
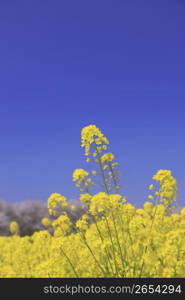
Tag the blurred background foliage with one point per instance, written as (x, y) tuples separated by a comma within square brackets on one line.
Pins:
[(28, 214)]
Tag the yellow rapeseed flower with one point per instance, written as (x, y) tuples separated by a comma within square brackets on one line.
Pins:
[(56, 201), (91, 134), (46, 222), (151, 187), (107, 157), (14, 228), (79, 175)]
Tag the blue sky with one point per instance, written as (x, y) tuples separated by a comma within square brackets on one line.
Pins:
[(67, 64)]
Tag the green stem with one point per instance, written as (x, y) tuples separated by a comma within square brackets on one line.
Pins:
[(147, 245), (101, 237), (89, 248), (101, 169), (70, 263), (131, 244), (110, 235), (113, 177), (117, 239), (97, 262)]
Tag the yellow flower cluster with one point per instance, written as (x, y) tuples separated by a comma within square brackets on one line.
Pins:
[(79, 175), (93, 139), (85, 198), (55, 202), (112, 238), (113, 246), (82, 223), (167, 192), (46, 222), (14, 228), (62, 225), (103, 202), (92, 135), (108, 157)]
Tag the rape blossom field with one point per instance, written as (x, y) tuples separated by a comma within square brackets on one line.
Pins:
[(112, 238)]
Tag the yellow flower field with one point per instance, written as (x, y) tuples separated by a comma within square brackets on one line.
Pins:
[(112, 238)]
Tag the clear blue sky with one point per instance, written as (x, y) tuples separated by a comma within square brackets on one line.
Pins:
[(67, 64)]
